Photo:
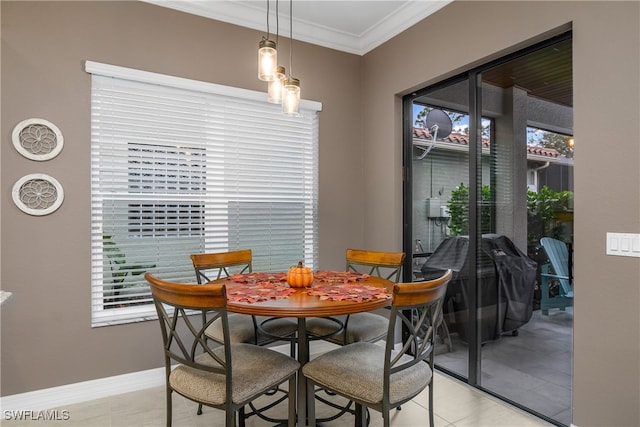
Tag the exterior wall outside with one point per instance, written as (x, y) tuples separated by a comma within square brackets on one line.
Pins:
[(440, 172), (46, 335), (606, 388), (557, 177), (45, 261)]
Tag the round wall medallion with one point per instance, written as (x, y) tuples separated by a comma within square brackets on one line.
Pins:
[(37, 194), (37, 139)]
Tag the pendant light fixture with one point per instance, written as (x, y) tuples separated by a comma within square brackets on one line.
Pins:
[(291, 89), (291, 97), (267, 56), (275, 86)]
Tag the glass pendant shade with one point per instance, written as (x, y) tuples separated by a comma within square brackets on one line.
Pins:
[(291, 97), (267, 60), (274, 89)]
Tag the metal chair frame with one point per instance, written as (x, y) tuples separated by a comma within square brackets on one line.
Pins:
[(225, 264), (386, 265), (184, 340), (418, 306)]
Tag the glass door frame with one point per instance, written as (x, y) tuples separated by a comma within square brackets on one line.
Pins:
[(474, 79), (475, 170)]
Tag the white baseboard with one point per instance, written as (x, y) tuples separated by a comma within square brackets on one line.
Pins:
[(57, 397), (60, 396)]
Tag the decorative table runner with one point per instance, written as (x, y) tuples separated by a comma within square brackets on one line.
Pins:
[(348, 292), (342, 286), (259, 277), (256, 287), (333, 285), (338, 276)]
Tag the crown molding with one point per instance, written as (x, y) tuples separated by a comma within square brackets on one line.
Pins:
[(249, 15)]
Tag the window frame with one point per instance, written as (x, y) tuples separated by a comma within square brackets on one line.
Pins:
[(150, 193)]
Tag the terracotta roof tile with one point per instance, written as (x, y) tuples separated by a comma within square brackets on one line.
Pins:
[(463, 139)]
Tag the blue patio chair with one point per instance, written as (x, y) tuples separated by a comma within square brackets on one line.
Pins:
[(559, 262)]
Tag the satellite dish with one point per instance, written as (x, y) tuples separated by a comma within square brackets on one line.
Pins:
[(439, 124)]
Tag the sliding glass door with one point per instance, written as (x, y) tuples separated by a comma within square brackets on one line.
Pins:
[(489, 160)]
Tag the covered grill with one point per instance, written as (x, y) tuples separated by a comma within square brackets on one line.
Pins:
[(506, 279)]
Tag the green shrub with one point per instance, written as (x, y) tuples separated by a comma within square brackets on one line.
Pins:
[(458, 206), (543, 209)]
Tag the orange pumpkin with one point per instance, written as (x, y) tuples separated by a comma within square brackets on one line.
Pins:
[(299, 276)]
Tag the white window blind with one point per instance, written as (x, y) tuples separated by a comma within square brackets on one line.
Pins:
[(181, 167)]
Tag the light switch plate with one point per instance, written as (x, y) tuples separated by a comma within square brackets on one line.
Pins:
[(623, 244)]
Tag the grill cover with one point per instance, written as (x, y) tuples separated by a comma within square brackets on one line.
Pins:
[(506, 279)]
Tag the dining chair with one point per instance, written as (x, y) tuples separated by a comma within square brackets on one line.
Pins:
[(225, 376), (360, 327), (385, 377), (242, 328)]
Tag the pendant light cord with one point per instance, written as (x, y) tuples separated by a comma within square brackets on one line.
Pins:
[(291, 38), (277, 23), (268, 32)]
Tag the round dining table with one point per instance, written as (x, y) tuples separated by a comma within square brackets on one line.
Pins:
[(302, 303)]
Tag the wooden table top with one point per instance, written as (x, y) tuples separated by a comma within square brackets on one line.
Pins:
[(301, 304)]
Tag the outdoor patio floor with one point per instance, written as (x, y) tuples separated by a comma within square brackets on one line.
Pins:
[(532, 369)]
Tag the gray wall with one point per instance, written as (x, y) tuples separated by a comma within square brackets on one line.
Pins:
[(46, 337), (606, 46)]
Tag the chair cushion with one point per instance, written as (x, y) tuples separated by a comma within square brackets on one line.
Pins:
[(255, 371), (241, 329), (362, 327), (355, 371)]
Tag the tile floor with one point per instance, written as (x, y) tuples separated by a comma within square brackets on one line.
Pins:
[(533, 368), (456, 405)]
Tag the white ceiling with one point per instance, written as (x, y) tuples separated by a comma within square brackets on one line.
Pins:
[(353, 26)]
